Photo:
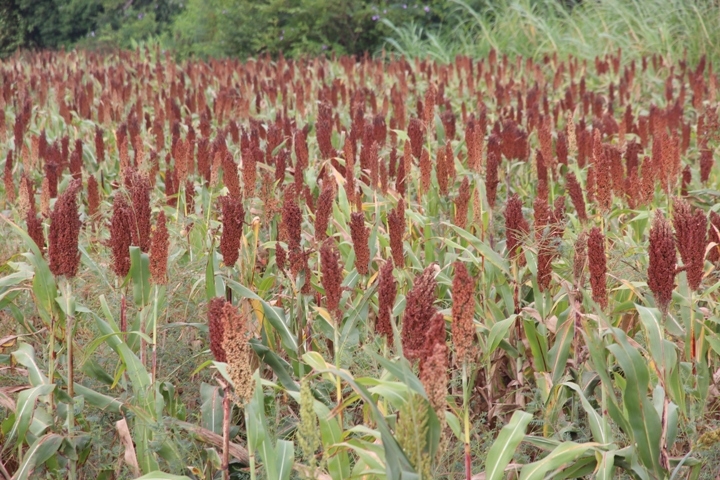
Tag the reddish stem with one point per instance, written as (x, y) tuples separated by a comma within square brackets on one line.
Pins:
[(468, 466)]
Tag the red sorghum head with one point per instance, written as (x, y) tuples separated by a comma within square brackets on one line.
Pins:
[(461, 203), (515, 228), (691, 236), (663, 260), (64, 233), (396, 226), (233, 215), (387, 290), (291, 219), (216, 328), (419, 311), (463, 311), (331, 270), (121, 234), (324, 209), (598, 266), (575, 192), (360, 237), (159, 251)]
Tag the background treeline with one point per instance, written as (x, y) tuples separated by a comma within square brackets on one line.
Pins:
[(439, 29), (221, 28)]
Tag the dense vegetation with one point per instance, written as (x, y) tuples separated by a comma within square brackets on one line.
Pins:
[(220, 28), (438, 29), (382, 268)]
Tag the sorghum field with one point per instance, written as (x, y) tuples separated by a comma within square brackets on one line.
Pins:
[(369, 269)]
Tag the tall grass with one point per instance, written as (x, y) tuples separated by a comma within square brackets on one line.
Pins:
[(534, 28)]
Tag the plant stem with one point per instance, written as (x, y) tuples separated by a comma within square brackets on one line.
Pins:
[(466, 420), (69, 320), (251, 452), (51, 366), (226, 430), (154, 337), (338, 381)]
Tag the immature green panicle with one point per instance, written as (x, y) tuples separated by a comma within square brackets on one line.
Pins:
[(308, 433), (411, 433)]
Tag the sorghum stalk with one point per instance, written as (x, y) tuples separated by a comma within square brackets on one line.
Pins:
[(226, 429), (69, 325)]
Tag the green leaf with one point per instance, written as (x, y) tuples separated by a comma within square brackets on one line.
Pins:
[(650, 318), (598, 424), (210, 292), (400, 370), (44, 286), (211, 410), (136, 371), (38, 453), (158, 475), (99, 400), (277, 320), (284, 454), (503, 448), (398, 466), (279, 366), (565, 453), (140, 275), (606, 468), (642, 416), (497, 333), (25, 356), (25, 409), (560, 350), (483, 248)]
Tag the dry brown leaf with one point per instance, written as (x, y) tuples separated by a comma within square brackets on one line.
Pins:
[(126, 439)]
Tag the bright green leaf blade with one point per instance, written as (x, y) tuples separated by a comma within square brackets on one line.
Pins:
[(503, 448)]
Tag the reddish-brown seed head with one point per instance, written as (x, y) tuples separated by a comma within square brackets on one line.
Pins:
[(419, 310), (93, 196), (416, 134), (434, 375), (291, 219), (121, 235), (575, 192), (662, 263), (387, 290), (159, 251), (216, 328), (331, 274), (461, 203), (35, 226), (64, 233), (360, 237), (491, 178), (396, 226), (691, 235), (463, 310), (139, 189), (597, 263), (233, 215), (515, 228), (324, 209)]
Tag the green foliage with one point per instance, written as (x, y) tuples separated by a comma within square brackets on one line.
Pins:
[(246, 28), (585, 29), (411, 432), (90, 23)]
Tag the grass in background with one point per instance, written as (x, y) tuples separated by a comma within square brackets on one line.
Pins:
[(535, 28)]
